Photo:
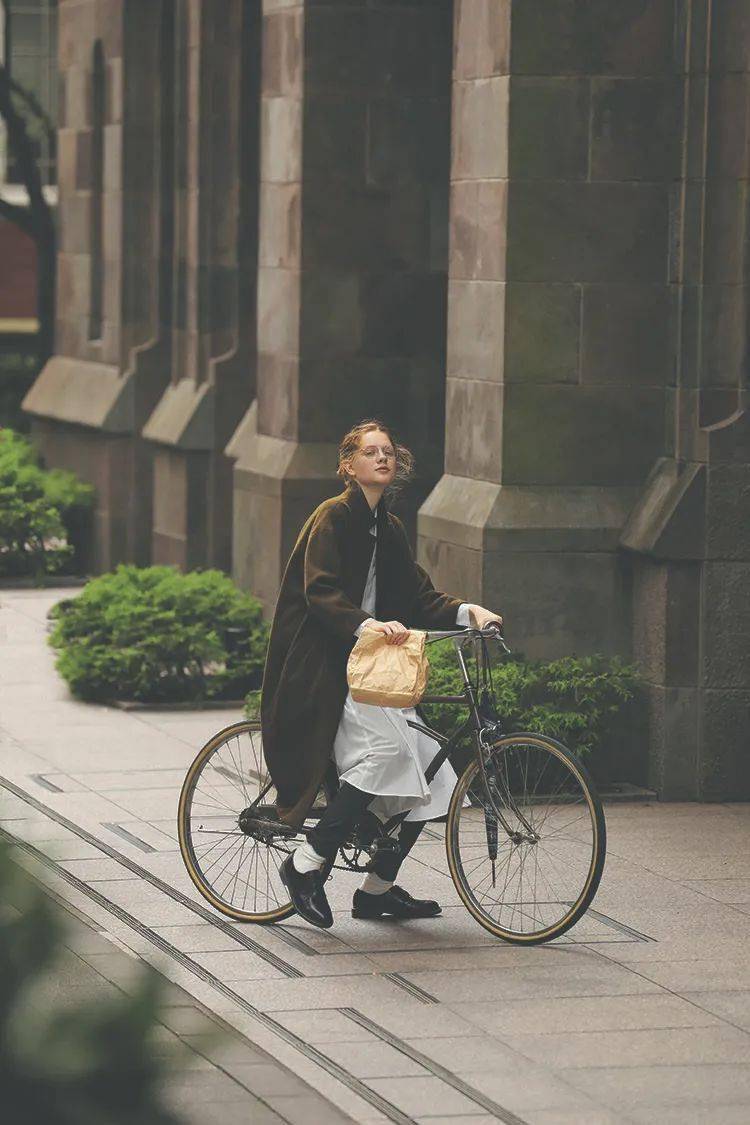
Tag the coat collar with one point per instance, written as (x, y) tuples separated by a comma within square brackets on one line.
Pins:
[(363, 514)]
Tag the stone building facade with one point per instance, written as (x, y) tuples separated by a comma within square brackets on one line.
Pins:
[(514, 228)]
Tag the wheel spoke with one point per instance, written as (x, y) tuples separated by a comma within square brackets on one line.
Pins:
[(236, 869), (542, 878)]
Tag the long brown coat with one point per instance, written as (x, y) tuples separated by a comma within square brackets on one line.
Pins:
[(312, 634)]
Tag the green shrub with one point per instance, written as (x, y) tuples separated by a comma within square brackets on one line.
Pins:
[(155, 635), (38, 510), (577, 699), (98, 1062)]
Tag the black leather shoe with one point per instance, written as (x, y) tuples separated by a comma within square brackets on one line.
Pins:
[(307, 894), (397, 902)]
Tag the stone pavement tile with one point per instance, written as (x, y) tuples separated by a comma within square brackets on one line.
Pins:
[(471, 1119), (306, 1110), (699, 976), (528, 1087), (226, 1051), (368, 993), (598, 978), (187, 1020), (247, 1111), (410, 1020), (236, 965), (684, 947), (710, 1113), (626, 1088), (145, 902), (734, 1007), (115, 781), (324, 1026), (154, 805), (663, 1047), (97, 869), (332, 965), (117, 967), (71, 848), (723, 890), (586, 1013), (193, 937), (422, 1095), (372, 1059), (581, 1116), (469, 1052), (264, 1078), (445, 959)]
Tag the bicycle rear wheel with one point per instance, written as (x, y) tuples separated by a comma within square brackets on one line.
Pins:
[(529, 874), (231, 857)]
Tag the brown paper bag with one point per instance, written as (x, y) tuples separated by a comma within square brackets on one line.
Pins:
[(388, 675)]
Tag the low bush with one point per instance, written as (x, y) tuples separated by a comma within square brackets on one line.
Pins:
[(39, 509), (578, 700), (153, 635)]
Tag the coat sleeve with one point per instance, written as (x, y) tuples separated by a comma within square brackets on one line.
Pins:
[(325, 598)]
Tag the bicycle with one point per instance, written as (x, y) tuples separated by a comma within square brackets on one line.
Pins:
[(525, 831)]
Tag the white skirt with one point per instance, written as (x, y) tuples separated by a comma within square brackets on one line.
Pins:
[(376, 751)]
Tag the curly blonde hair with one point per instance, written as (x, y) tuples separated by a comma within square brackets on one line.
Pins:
[(350, 443)]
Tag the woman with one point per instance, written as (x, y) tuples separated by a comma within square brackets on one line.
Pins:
[(351, 569)]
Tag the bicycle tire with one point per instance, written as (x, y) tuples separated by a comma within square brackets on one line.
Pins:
[(589, 885), (186, 834)]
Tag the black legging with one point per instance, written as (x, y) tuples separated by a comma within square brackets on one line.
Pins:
[(340, 817)]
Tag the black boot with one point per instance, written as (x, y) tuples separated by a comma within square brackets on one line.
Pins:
[(307, 894), (397, 902)]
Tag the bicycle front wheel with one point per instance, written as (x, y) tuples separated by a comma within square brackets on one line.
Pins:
[(528, 874)]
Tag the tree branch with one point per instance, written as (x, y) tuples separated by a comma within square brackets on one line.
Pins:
[(20, 143), (36, 108)]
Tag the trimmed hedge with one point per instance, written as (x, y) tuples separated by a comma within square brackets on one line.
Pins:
[(152, 634), (40, 511)]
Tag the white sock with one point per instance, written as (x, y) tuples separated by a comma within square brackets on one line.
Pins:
[(306, 859), (374, 885)]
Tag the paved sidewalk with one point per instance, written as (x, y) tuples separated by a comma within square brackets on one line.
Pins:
[(640, 1014), (212, 1075)]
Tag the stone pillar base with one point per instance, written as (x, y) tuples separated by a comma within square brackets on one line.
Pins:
[(545, 557), (277, 484)]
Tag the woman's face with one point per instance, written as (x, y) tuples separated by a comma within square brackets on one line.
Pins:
[(375, 460)]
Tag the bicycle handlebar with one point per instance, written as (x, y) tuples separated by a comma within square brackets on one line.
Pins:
[(490, 630)]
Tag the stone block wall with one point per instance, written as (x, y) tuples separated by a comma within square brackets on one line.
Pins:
[(355, 136), (560, 331)]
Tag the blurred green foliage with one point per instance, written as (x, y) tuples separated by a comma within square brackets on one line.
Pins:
[(155, 635), (99, 1063), (38, 510)]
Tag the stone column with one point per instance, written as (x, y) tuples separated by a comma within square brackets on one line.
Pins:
[(690, 531), (212, 295), (353, 255), (560, 334), (88, 401)]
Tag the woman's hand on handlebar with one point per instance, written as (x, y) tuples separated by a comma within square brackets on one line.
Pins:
[(481, 618), (395, 633)]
